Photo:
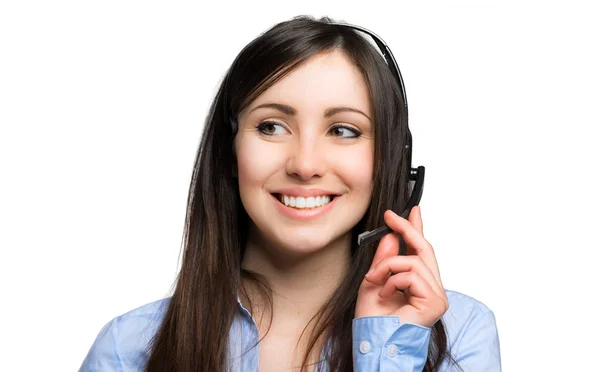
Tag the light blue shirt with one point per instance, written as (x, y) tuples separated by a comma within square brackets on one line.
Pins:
[(380, 343)]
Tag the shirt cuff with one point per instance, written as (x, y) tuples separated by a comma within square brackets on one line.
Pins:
[(384, 343)]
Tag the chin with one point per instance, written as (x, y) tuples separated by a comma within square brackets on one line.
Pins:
[(303, 246), (305, 240)]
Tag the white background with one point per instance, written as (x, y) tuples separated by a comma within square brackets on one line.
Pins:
[(102, 105)]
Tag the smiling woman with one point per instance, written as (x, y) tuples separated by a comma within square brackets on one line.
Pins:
[(303, 149), (317, 141)]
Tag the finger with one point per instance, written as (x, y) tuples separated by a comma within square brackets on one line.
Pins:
[(410, 282), (413, 239), (415, 219), (387, 247), (400, 264)]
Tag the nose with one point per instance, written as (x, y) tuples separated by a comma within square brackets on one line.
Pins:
[(307, 158)]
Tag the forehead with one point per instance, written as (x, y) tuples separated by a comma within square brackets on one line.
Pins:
[(326, 79)]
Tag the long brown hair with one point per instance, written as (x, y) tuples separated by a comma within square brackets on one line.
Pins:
[(193, 335)]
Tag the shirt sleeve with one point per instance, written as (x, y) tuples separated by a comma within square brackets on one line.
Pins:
[(383, 343), (479, 348), (103, 356)]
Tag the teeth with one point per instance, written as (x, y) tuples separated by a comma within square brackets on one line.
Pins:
[(304, 203)]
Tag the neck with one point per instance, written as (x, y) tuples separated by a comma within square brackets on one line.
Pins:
[(301, 282)]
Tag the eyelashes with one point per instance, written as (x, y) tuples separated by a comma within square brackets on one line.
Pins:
[(350, 129), (268, 124)]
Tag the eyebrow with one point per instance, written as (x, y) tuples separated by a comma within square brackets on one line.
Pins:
[(288, 110)]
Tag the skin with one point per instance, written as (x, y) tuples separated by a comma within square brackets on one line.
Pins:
[(304, 260)]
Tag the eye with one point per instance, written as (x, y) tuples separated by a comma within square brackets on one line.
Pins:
[(353, 133), (268, 128)]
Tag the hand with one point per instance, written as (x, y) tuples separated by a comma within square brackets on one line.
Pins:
[(423, 300)]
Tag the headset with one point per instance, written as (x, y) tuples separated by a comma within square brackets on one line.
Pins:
[(415, 174)]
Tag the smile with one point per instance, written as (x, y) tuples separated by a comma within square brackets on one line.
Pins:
[(300, 208), (300, 202)]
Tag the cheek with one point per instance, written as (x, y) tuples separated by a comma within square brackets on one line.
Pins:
[(256, 162), (356, 168)]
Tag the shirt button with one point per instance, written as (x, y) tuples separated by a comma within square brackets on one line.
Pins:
[(365, 347), (392, 350)]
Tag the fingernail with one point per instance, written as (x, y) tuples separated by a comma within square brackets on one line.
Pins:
[(370, 271)]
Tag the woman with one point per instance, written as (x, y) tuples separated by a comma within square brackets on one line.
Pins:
[(303, 150)]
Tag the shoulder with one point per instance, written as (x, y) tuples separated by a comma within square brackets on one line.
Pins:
[(468, 319), (122, 344), (140, 321), (462, 304)]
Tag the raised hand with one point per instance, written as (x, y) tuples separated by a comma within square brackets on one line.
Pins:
[(407, 286)]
